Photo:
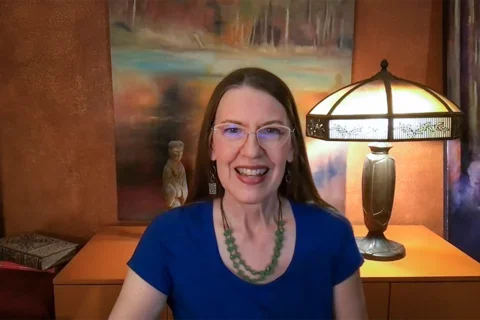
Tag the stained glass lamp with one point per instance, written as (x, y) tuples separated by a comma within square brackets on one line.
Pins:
[(382, 109)]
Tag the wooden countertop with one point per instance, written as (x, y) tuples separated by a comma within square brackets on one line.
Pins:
[(429, 258)]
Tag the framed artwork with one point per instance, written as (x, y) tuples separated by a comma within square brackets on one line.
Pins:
[(168, 55), (462, 216)]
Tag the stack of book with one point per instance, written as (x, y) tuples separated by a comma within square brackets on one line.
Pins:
[(35, 252)]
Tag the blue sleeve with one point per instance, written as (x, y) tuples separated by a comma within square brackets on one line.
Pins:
[(348, 258), (151, 256)]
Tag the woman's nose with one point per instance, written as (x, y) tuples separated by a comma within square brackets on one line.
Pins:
[(251, 148)]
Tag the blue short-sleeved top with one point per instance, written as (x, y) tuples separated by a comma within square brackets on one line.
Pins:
[(178, 255)]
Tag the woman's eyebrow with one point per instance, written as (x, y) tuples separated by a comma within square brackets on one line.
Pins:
[(263, 124), (232, 121), (273, 122)]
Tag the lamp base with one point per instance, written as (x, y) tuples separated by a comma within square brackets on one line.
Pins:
[(375, 246)]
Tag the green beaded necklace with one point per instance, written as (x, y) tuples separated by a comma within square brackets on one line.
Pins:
[(236, 258)]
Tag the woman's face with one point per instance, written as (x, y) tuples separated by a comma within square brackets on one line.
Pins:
[(248, 170)]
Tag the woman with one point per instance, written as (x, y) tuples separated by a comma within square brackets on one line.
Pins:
[(255, 241)]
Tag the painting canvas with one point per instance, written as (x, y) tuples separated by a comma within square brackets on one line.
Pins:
[(168, 55), (462, 219)]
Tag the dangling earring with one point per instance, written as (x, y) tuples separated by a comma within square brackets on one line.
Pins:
[(212, 185), (288, 176)]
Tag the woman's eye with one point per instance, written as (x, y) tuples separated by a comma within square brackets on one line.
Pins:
[(232, 130), (273, 131)]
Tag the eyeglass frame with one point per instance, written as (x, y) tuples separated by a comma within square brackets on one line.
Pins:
[(247, 134)]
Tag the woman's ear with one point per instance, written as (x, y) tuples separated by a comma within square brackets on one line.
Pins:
[(213, 157), (291, 154)]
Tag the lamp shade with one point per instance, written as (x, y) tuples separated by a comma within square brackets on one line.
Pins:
[(384, 108)]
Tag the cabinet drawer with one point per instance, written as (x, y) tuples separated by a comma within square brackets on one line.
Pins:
[(376, 299), (435, 300), (92, 302)]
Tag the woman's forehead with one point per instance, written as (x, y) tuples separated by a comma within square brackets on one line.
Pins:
[(249, 104)]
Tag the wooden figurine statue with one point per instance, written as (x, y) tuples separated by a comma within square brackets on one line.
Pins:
[(175, 190)]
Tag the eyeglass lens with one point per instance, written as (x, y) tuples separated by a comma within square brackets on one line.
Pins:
[(267, 136)]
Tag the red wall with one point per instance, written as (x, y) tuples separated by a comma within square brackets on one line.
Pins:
[(56, 112)]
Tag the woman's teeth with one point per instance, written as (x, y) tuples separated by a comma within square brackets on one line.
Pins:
[(252, 172)]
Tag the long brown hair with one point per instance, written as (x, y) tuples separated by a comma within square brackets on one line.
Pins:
[(301, 187)]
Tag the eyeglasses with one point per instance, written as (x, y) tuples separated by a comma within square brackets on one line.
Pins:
[(268, 137)]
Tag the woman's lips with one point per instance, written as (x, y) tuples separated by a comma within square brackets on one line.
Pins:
[(251, 175)]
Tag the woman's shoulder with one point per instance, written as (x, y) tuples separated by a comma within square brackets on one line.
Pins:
[(175, 219), (184, 210), (327, 230), (315, 211), (321, 219)]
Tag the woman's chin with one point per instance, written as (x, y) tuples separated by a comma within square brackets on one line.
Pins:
[(253, 192)]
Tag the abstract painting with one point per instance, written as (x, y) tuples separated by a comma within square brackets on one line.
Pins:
[(168, 55), (462, 218)]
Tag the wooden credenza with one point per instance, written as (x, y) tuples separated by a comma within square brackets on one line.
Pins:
[(434, 281)]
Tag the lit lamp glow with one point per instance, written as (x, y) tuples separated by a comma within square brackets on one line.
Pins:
[(382, 109)]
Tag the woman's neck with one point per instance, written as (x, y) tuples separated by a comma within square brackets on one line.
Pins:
[(250, 218)]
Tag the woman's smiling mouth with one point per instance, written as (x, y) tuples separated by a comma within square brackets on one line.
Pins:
[(247, 172)]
